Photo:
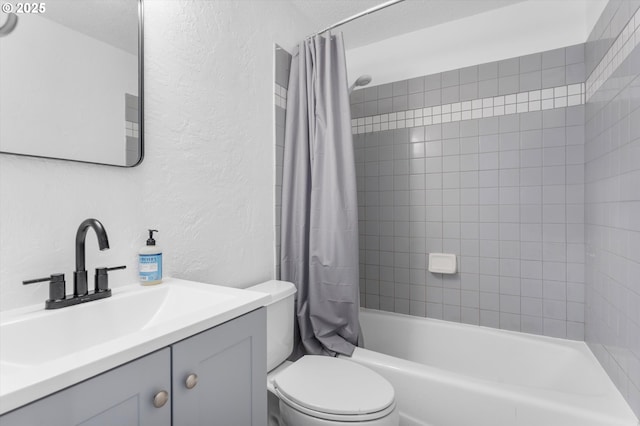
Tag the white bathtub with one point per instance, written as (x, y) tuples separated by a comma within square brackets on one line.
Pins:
[(449, 374)]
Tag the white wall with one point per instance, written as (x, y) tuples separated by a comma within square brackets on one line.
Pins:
[(84, 114), (207, 179), (520, 29)]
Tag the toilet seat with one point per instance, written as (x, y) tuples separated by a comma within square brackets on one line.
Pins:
[(335, 389)]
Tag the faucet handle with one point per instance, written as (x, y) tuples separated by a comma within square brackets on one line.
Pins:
[(102, 278), (57, 285), (115, 268)]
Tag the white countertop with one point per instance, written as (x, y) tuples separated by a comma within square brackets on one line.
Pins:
[(44, 351)]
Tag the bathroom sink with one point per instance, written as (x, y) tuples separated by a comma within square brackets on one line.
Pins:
[(45, 336), (42, 351)]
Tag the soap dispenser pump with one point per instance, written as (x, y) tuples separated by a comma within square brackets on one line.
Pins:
[(150, 262)]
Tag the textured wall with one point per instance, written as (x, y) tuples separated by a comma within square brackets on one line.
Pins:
[(503, 191), (207, 179), (612, 197)]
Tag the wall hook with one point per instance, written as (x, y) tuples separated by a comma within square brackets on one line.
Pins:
[(12, 21)]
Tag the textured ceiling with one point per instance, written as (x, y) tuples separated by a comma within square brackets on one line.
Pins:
[(404, 17), (113, 21)]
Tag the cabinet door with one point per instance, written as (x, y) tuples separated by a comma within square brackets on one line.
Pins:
[(230, 363), (122, 396)]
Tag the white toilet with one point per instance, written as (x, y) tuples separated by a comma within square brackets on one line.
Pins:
[(318, 390)]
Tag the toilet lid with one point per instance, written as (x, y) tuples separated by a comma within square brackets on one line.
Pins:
[(334, 386)]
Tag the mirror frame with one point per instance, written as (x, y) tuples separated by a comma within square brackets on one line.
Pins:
[(140, 103)]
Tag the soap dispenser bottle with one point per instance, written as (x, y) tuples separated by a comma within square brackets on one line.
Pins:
[(150, 262)]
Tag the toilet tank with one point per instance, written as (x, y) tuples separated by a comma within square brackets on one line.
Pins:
[(280, 314)]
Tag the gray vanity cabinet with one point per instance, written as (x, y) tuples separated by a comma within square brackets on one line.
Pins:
[(121, 396), (219, 376), (227, 387)]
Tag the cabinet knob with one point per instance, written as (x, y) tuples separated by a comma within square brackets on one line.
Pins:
[(160, 399), (191, 381)]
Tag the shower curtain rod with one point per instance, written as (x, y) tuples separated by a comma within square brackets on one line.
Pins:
[(358, 15)]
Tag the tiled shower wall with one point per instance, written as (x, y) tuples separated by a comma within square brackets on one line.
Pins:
[(612, 196), (504, 192), (282, 60)]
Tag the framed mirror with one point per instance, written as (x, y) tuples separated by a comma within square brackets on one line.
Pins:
[(71, 80)]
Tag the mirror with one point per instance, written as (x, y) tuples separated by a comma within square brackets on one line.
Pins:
[(71, 80)]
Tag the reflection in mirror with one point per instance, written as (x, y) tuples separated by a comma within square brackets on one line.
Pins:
[(70, 82)]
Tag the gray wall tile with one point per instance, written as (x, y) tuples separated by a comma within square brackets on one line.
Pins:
[(370, 93), (509, 123), (370, 108), (400, 88), (416, 85), (385, 91), (610, 324), (385, 106), (357, 96), (432, 98), (530, 63), (508, 67), (487, 88), (469, 75), (469, 91), (469, 128), (517, 254), (450, 78), (531, 120), (554, 118), (508, 84), (506, 194), (531, 81), (357, 110), (553, 58), (400, 103), (488, 71), (552, 77), (575, 54), (415, 100), (575, 73), (450, 94), (432, 82)]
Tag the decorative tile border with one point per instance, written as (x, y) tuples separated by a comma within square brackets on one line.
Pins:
[(534, 100), (628, 39), (280, 96)]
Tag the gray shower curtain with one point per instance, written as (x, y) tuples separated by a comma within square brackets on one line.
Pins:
[(319, 233)]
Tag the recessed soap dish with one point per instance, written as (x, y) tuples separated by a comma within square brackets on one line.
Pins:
[(442, 263)]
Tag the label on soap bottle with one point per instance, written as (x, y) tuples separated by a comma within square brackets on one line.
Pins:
[(150, 267)]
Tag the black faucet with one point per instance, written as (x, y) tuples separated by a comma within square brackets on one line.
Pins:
[(57, 292), (80, 275)]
